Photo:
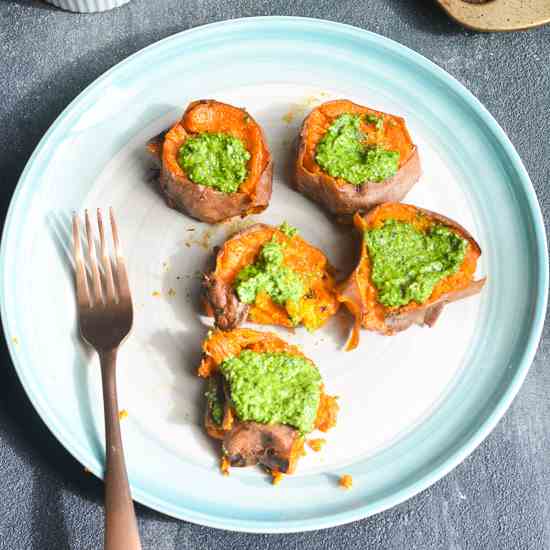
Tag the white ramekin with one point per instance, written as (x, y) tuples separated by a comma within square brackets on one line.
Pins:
[(87, 6)]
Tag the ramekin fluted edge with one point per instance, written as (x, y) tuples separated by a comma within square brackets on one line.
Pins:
[(87, 6)]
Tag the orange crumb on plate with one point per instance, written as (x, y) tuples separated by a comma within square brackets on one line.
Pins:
[(122, 414), (155, 294), (316, 444), (346, 481), (276, 477), (224, 466)]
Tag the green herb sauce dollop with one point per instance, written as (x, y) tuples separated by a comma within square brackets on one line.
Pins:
[(273, 388), (406, 263), (268, 274), (288, 229), (216, 160), (342, 153)]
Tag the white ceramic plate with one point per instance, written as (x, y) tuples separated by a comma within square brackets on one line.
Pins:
[(412, 405)]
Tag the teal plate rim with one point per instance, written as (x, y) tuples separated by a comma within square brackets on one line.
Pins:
[(473, 439)]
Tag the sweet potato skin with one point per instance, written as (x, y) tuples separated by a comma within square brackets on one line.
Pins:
[(198, 201), (219, 297), (277, 447), (250, 443), (343, 199), (210, 205), (399, 319), (221, 301)]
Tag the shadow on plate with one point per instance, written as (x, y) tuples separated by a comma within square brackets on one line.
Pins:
[(181, 354)]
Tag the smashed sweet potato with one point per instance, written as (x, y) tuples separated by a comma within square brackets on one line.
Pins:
[(337, 195), (313, 309), (360, 295), (200, 201), (277, 447)]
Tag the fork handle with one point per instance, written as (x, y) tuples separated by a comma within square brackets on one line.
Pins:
[(121, 532)]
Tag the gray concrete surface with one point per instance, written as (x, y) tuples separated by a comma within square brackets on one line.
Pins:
[(497, 499)]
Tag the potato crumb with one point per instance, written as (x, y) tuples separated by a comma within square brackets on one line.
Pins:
[(155, 294), (122, 414), (296, 109), (316, 444), (289, 117), (171, 292), (276, 477), (311, 101), (15, 340), (205, 239), (202, 240), (346, 481), (224, 466)]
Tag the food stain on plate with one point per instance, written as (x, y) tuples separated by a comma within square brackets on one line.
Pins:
[(297, 110), (237, 225), (203, 239)]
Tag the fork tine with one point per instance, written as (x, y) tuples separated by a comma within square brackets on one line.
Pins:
[(105, 260), (122, 276), (81, 278), (96, 279)]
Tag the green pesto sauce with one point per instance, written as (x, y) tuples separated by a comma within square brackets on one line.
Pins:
[(342, 153), (288, 229), (216, 160), (268, 274), (273, 388), (408, 263), (214, 400), (377, 121)]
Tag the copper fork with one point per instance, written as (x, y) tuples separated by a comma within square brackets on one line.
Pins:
[(105, 316)]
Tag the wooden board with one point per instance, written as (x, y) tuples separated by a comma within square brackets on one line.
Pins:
[(498, 15)]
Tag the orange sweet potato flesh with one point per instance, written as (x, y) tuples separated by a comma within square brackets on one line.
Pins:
[(359, 294), (206, 203), (221, 301), (275, 446), (336, 195)]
